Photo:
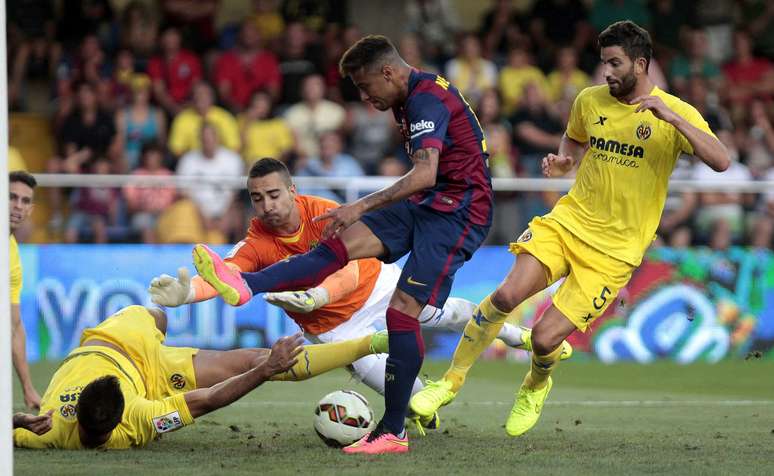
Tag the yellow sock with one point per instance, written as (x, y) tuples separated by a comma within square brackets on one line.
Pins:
[(542, 366), (317, 359), (480, 331)]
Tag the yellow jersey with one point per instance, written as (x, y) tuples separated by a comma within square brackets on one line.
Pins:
[(560, 87), (185, 134), (265, 138), (616, 202), (143, 420), (16, 270), (15, 160), (512, 81)]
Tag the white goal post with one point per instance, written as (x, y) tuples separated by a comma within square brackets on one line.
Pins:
[(6, 382)]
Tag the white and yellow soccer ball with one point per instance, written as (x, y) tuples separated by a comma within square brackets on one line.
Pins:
[(343, 417)]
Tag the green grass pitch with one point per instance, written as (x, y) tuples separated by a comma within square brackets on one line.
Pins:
[(599, 419)]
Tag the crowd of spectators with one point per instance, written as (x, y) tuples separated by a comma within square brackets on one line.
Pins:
[(162, 91)]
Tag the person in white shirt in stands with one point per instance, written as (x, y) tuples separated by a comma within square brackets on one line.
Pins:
[(313, 116), (212, 160), (720, 220)]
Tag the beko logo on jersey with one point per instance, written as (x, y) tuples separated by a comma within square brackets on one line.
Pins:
[(600, 143), (421, 127)]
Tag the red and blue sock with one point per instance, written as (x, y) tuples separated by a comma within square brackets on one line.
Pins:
[(407, 350), (300, 271)]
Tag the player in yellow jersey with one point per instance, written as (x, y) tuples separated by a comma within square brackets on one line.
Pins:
[(122, 387), (21, 188), (629, 134)]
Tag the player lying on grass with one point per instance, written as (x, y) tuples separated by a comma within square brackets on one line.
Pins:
[(123, 388), (630, 134), (350, 303)]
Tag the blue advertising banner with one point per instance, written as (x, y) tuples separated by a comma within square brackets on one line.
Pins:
[(681, 305)]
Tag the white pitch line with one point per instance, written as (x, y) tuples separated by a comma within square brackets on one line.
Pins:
[(563, 403)]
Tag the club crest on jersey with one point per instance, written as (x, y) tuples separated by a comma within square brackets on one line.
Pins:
[(177, 381), (526, 236), (643, 131), (68, 411)]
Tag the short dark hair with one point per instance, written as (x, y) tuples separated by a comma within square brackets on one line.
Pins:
[(367, 52), (100, 405), (23, 177), (632, 38), (267, 165), (153, 146)]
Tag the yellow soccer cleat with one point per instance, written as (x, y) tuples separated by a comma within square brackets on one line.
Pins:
[(526, 336), (526, 410), (432, 422), (427, 401)]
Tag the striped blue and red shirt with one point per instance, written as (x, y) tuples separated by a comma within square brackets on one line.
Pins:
[(436, 115)]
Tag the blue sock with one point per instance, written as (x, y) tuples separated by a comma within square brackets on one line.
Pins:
[(300, 271), (407, 349)]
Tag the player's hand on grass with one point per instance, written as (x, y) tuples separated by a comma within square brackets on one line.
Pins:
[(283, 354), (340, 219), (299, 301), (557, 165), (172, 292), (655, 105), (31, 398), (38, 424)]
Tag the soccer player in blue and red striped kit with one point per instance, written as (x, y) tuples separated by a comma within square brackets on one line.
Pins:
[(439, 212)]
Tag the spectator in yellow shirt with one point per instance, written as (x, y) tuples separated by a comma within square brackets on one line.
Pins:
[(566, 81), (15, 160), (187, 125), (472, 73), (263, 135), (515, 76), (21, 193)]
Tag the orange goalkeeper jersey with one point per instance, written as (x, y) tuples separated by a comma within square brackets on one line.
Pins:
[(262, 248)]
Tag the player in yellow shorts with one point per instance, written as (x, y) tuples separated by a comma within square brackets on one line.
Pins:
[(630, 134), (123, 388)]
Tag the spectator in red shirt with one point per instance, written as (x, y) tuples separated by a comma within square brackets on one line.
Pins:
[(173, 72), (747, 76), (245, 69)]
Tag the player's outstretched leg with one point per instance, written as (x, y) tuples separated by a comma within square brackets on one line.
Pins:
[(215, 366), (457, 312), (549, 333), (298, 272), (479, 332), (526, 277), (320, 358)]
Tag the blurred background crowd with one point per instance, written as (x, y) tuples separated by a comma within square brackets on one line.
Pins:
[(170, 87)]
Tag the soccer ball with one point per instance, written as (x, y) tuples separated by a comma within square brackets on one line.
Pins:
[(343, 417)]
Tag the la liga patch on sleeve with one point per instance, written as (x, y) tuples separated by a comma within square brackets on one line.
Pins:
[(168, 422)]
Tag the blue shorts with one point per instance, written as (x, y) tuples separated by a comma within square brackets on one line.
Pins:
[(439, 244)]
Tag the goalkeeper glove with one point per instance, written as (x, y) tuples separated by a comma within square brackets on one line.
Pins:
[(172, 292), (299, 301)]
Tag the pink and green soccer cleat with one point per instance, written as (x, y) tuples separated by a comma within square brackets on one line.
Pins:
[(379, 442), (227, 282)]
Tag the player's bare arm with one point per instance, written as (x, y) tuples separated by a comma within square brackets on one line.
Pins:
[(282, 358), (19, 357), (421, 176), (558, 165), (38, 424), (707, 148)]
